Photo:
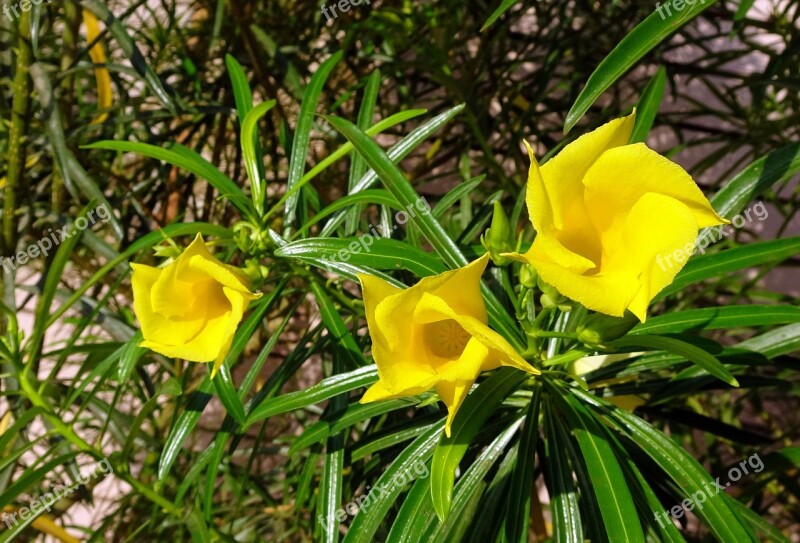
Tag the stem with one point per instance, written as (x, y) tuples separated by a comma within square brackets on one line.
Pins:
[(563, 335), (20, 113)]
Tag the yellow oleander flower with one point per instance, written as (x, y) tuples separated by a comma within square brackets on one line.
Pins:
[(433, 335), (608, 218), (191, 308)]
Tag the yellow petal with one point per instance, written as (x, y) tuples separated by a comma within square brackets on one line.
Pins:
[(379, 392), (452, 395), (621, 176), (374, 292), (156, 327), (461, 289), (239, 304), (431, 308), (563, 176), (656, 227)]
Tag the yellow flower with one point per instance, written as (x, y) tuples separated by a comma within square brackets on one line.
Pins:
[(433, 335), (191, 308), (609, 217)]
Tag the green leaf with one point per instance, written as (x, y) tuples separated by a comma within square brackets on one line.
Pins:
[(325, 389), (253, 158), (54, 275), (744, 7), (608, 481), (185, 158), (197, 526), (710, 318), (184, 425), (515, 528), (401, 189), (390, 484), (459, 191), (353, 414), (371, 196), (777, 342), (476, 409), (777, 166), (648, 105), (131, 354), (497, 13), (242, 95), (378, 253), (76, 178), (330, 493), (679, 465), (396, 153), (302, 133), (347, 349), (636, 44), (357, 167), (226, 391), (695, 354), (710, 265), (342, 151), (470, 487), (757, 522), (129, 48), (564, 508), (392, 437), (218, 451), (406, 526)]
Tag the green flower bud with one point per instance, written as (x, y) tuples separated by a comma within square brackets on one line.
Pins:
[(600, 328), (528, 276), (255, 271), (499, 237)]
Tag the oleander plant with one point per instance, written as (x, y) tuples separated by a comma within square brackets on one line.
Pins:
[(400, 271)]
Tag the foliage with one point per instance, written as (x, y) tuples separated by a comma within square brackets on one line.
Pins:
[(285, 138)]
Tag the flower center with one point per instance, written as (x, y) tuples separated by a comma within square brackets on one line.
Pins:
[(446, 339)]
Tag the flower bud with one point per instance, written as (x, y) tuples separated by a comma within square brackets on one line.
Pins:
[(528, 276), (600, 328), (498, 237)]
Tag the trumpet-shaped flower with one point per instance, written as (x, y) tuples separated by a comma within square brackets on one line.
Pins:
[(433, 335), (608, 215), (191, 308)]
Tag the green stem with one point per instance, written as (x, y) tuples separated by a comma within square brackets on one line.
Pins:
[(20, 113)]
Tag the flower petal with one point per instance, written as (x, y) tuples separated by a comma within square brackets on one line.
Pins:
[(156, 327), (564, 172), (452, 395), (655, 229), (643, 170), (432, 308)]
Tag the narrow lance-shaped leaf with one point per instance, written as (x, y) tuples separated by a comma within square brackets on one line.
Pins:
[(636, 44), (302, 134)]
